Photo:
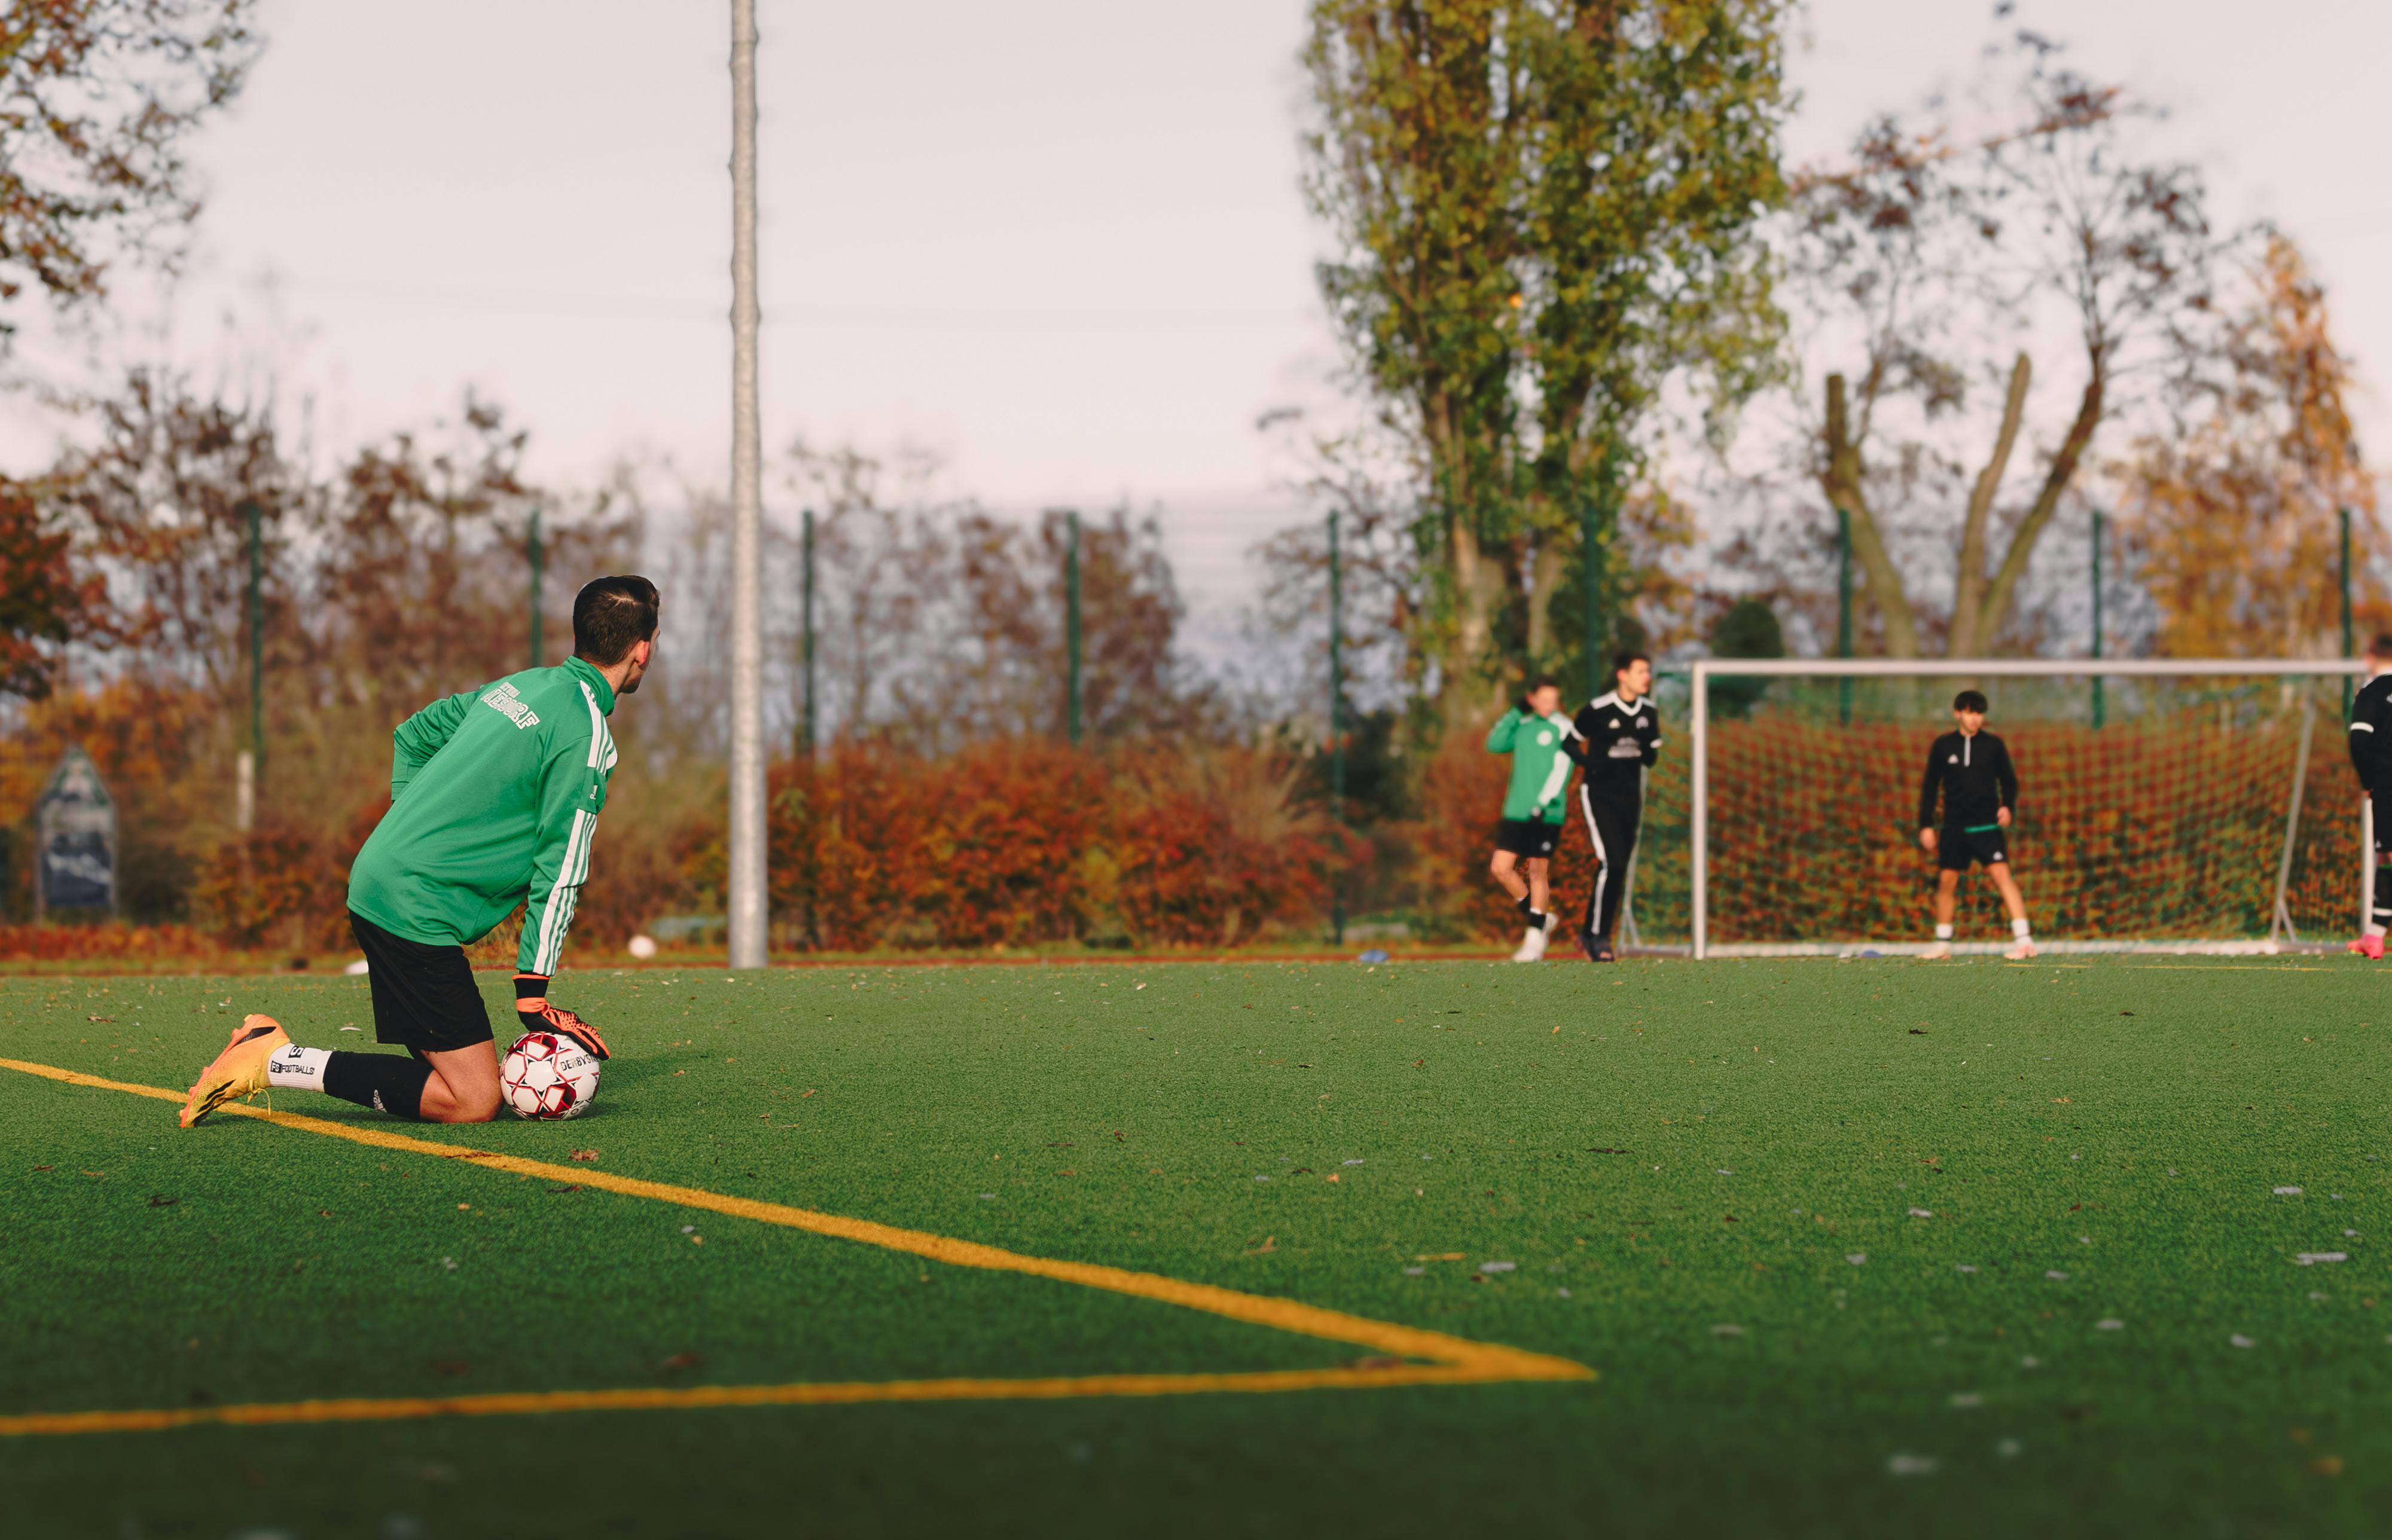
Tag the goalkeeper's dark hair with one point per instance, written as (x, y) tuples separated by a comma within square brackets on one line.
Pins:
[(2382, 646), (1629, 657), (610, 614), (1970, 700)]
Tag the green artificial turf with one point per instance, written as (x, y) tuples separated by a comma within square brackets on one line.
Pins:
[(1842, 1240)]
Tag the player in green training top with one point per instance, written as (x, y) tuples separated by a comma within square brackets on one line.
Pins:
[(1533, 733), (495, 796)]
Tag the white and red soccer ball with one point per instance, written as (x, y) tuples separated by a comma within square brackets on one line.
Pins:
[(548, 1075)]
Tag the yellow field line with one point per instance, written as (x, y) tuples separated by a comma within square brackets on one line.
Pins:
[(1454, 1359), (848, 1393)]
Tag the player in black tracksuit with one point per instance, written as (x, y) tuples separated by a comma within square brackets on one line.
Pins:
[(2371, 756), (1971, 768), (1619, 737)]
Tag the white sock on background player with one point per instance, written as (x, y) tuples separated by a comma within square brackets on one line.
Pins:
[(1942, 933), (2019, 929), (297, 1069)]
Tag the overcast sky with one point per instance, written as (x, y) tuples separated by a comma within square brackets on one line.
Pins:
[(1058, 241)]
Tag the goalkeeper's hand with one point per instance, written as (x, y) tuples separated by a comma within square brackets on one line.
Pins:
[(1926, 841), (533, 1010)]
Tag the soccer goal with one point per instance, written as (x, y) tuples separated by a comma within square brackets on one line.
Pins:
[(2172, 805)]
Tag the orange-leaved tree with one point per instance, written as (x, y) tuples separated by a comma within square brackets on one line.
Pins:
[(2232, 520)]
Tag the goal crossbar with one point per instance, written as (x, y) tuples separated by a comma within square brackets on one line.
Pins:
[(1706, 669)]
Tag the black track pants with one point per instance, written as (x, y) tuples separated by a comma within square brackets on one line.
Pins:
[(1611, 820)]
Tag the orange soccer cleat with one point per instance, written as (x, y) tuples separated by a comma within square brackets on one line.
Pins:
[(239, 1070)]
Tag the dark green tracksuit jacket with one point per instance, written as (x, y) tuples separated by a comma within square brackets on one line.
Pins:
[(494, 797)]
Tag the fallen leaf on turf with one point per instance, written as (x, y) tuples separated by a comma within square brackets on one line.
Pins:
[(571, 1187), (1377, 1361), (1858, 1259), (1918, 1031), (1414, 1272), (454, 1368), (2059, 1098), (1066, 1172), (1065, 1145), (2325, 1464), (101, 1019), (1910, 1465), (45, 1168), (462, 1208), (2288, 1192), (2240, 1341), (1440, 1256), (160, 1200), (1967, 1267), (1334, 1177), (1922, 1213), (679, 1362), (2111, 1325), (1967, 1400), (2056, 1275), (1727, 1328), (585, 1155), (2311, 1258)]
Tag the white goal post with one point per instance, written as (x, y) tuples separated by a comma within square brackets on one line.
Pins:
[(1961, 672)]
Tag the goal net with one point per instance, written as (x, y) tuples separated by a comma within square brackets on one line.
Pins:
[(2165, 804)]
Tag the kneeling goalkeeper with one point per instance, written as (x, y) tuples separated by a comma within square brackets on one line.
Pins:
[(494, 797)]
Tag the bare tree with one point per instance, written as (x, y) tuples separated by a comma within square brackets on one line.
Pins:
[(1932, 259)]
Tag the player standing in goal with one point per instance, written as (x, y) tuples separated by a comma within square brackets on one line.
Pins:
[(1536, 735), (494, 796), (1971, 767), (2371, 756), (1620, 735)]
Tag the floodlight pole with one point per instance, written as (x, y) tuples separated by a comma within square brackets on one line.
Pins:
[(1336, 727), (748, 937)]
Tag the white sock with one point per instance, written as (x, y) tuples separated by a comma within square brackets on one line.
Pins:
[(1942, 933), (2019, 927), (297, 1069)]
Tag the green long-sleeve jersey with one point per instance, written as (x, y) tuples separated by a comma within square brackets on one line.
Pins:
[(1541, 771), (494, 797)]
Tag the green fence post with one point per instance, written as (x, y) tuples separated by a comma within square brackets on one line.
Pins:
[(2345, 608), (532, 550), (1844, 611), (1336, 726), (2099, 704), (1071, 626), (255, 515), (807, 725)]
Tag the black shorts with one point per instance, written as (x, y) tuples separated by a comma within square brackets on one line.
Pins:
[(1531, 837), (424, 996), (1956, 846)]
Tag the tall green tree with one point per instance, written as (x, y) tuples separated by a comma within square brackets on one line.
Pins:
[(1545, 212)]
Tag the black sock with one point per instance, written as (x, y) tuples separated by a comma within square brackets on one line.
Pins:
[(384, 1082), (1524, 909), (1536, 919)]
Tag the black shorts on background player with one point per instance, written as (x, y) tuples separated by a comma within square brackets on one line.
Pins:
[(1957, 845), (1530, 838), (425, 998)]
